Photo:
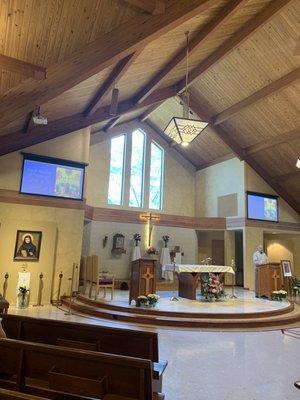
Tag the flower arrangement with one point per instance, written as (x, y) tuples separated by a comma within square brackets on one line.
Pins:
[(137, 238), (22, 298), (23, 290), (279, 295), (151, 250), (166, 239), (212, 288), (149, 300)]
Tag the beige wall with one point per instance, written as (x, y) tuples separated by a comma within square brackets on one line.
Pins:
[(179, 182), (62, 228), (223, 179), (120, 265), (254, 182)]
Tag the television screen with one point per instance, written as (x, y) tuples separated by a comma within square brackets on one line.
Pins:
[(47, 176), (262, 206)]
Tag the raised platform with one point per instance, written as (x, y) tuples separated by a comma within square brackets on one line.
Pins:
[(245, 312)]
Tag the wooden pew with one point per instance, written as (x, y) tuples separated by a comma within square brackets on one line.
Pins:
[(52, 371), (12, 395), (140, 344)]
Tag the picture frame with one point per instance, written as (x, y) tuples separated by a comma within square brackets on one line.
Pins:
[(286, 268), (28, 246)]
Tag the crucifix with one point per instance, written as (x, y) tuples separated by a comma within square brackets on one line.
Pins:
[(150, 217)]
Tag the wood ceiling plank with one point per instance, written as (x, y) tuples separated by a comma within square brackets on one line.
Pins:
[(285, 177), (242, 155), (283, 138), (117, 73), (22, 67), (94, 57), (200, 39), (236, 40), (153, 7), (273, 87)]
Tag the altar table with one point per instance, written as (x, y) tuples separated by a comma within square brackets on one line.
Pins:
[(188, 275)]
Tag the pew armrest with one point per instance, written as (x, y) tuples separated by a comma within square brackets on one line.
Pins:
[(159, 368)]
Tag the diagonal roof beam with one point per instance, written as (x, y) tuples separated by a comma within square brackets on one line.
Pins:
[(267, 144), (17, 140), (151, 6), (285, 177), (117, 73), (22, 67), (247, 30), (242, 155), (201, 37), (266, 91), (107, 50)]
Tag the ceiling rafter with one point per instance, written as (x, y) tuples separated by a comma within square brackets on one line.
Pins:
[(274, 141), (247, 30), (107, 50), (17, 140), (153, 7), (201, 37), (285, 177), (24, 68), (266, 91), (242, 155), (117, 73)]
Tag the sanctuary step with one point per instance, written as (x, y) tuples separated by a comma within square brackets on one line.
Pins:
[(288, 316)]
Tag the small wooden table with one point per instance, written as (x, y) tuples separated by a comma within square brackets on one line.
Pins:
[(188, 276)]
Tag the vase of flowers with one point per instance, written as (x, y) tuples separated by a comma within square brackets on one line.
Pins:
[(23, 297), (212, 288), (151, 252), (279, 295), (152, 299), (166, 239), (137, 239)]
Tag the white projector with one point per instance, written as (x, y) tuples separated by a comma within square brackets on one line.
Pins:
[(39, 119)]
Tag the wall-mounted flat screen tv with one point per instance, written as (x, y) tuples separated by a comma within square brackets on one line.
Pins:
[(262, 206), (47, 176)]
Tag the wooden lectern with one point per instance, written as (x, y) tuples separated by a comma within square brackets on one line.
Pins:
[(267, 279), (143, 278)]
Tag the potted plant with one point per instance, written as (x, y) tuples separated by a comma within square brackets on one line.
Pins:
[(136, 238), (152, 299), (23, 297), (166, 239), (142, 301), (279, 295)]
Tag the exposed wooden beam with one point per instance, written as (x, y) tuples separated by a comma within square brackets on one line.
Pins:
[(267, 144), (28, 123), (154, 134), (153, 7), (266, 91), (200, 39), (118, 72), (285, 177), (247, 30), (297, 48), (24, 68), (107, 50), (112, 123), (17, 140), (240, 153)]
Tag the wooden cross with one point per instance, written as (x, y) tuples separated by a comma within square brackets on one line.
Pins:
[(275, 277), (150, 217), (148, 276)]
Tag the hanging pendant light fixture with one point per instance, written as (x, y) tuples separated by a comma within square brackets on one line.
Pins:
[(183, 130)]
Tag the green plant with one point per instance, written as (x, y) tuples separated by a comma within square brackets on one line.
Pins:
[(295, 285), (142, 301), (152, 299), (23, 290), (279, 295)]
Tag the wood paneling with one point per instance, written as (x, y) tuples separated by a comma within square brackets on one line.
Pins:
[(233, 222), (21, 67), (134, 217), (151, 6)]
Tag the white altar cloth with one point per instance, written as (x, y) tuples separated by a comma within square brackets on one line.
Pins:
[(198, 268), (165, 259)]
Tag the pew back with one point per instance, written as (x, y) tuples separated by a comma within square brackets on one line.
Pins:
[(55, 369), (140, 344)]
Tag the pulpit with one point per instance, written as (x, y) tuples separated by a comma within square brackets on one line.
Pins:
[(267, 279), (143, 278)]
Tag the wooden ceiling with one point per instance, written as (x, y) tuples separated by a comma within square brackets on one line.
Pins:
[(67, 57)]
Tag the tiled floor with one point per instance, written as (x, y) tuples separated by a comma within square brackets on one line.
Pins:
[(218, 365)]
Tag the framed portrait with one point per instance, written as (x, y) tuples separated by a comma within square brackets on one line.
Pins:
[(28, 245), (286, 268)]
